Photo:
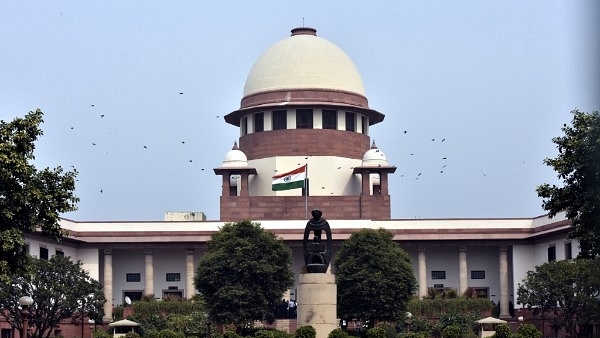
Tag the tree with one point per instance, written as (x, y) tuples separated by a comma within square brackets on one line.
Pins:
[(570, 289), (243, 273), (374, 277), (578, 165), (60, 289), (30, 199)]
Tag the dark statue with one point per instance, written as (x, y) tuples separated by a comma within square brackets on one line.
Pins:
[(317, 254)]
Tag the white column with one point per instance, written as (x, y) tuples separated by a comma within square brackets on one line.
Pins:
[(503, 282), (108, 286), (462, 270), (190, 291), (149, 275), (422, 261)]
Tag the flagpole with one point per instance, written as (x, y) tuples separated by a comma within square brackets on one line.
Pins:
[(306, 192)]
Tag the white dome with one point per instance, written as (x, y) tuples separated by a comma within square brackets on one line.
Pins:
[(374, 157), (304, 61), (235, 158)]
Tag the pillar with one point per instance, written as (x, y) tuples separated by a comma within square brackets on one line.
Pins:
[(108, 286), (149, 275), (317, 302), (225, 184), (503, 282), (383, 183), (190, 291), (366, 183), (462, 270), (244, 184), (422, 275)]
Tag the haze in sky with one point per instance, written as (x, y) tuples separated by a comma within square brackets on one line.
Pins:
[(134, 94)]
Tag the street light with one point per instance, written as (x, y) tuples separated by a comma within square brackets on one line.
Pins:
[(25, 302), (408, 317)]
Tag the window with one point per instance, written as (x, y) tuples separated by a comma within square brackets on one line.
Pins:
[(568, 251), (304, 118), (329, 119), (365, 125), (173, 277), (259, 122), (133, 277), (438, 274), (244, 125), (133, 295), (59, 252), (43, 253), (477, 274), (279, 119), (350, 123), (482, 292), (551, 253)]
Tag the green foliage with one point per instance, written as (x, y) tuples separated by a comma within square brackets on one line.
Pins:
[(515, 335), (32, 199), (420, 324), (187, 317), (451, 331), (101, 334), (132, 335), (305, 331), (60, 289), (437, 307), (413, 335), (570, 289), (152, 333), (338, 333), (382, 330), (578, 166), (167, 333), (464, 321), (529, 331), (243, 274), (374, 277), (502, 331)]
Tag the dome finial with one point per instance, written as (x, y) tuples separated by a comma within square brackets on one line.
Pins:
[(235, 146), (373, 146), (304, 31)]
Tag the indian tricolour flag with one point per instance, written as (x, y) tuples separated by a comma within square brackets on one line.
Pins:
[(290, 180)]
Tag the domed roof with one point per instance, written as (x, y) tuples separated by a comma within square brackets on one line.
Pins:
[(235, 158), (304, 61), (374, 157)]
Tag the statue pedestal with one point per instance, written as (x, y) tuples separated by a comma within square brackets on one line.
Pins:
[(317, 301)]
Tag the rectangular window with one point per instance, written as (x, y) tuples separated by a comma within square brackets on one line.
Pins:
[(279, 119), (43, 253), (329, 119), (173, 277), (438, 274), (477, 274), (133, 295), (59, 252), (568, 251), (304, 118), (259, 122), (350, 122), (244, 125), (365, 125), (133, 277), (551, 253)]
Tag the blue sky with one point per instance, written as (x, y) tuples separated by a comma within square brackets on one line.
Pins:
[(495, 79)]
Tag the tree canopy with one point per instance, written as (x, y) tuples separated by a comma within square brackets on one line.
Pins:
[(578, 165), (374, 277), (60, 289), (570, 289), (30, 199), (243, 274)]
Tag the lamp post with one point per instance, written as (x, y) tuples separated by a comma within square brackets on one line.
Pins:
[(408, 317), (25, 302)]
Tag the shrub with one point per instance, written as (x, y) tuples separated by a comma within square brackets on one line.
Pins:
[(170, 334), (502, 331), (231, 334), (306, 331), (529, 331), (338, 333), (451, 331), (101, 334), (132, 335), (382, 330)]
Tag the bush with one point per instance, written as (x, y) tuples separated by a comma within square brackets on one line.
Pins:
[(306, 331), (132, 335), (271, 333), (529, 331), (231, 334), (338, 333), (101, 334), (170, 334), (502, 331), (413, 335), (451, 331)]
